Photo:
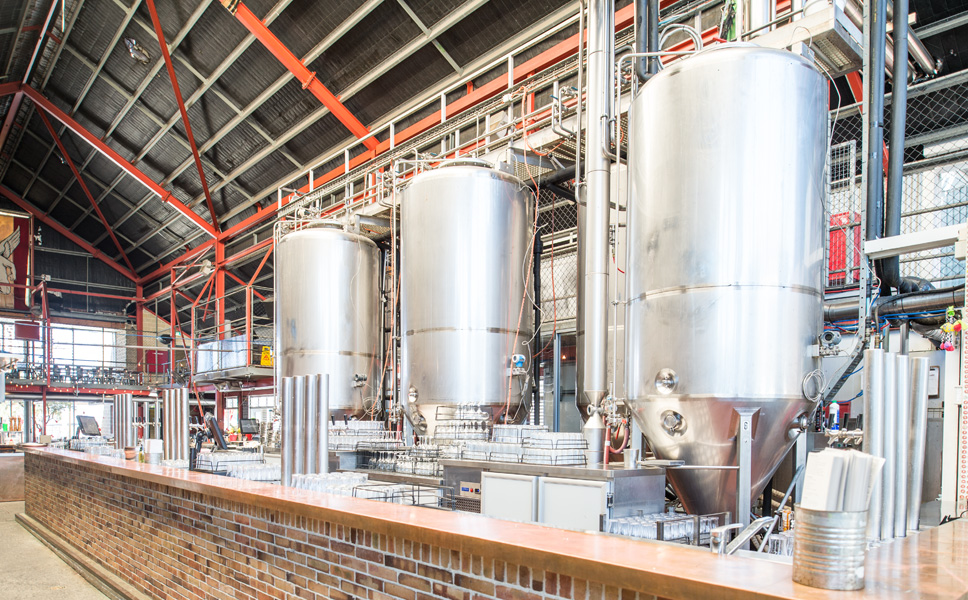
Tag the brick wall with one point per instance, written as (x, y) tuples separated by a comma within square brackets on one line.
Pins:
[(178, 544)]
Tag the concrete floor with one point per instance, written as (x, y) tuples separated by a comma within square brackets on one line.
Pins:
[(31, 571)]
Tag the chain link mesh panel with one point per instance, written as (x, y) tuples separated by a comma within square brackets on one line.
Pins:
[(935, 180)]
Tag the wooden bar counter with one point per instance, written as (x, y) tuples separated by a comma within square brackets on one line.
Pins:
[(171, 533)]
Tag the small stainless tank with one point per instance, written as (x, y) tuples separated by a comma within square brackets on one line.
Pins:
[(465, 244), (725, 256), (328, 313)]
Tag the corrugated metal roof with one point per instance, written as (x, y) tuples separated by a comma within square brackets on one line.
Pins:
[(301, 25)]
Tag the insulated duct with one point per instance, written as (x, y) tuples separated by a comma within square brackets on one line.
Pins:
[(646, 38), (874, 120), (903, 304)]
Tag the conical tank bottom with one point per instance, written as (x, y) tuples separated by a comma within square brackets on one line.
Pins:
[(702, 432)]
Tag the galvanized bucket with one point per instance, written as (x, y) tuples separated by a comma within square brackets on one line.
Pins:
[(829, 549)]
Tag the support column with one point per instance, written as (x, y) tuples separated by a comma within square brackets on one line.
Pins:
[(220, 289), (139, 329)]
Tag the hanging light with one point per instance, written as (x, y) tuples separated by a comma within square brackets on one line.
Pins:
[(136, 51)]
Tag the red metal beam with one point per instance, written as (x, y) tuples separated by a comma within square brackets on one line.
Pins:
[(160, 33), (27, 206), (552, 56), (9, 88), (262, 264), (166, 268), (306, 77), (87, 192), (11, 116), (126, 166), (219, 287), (139, 328), (238, 280)]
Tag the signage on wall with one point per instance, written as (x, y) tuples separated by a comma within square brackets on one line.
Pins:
[(14, 261)]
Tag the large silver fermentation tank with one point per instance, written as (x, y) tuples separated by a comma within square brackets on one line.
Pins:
[(328, 313), (725, 256), (465, 248)]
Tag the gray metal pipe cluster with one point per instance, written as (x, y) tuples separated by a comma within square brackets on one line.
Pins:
[(174, 407), (895, 428), (305, 425), (124, 433)]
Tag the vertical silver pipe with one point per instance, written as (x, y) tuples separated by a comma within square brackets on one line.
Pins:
[(905, 337), (919, 432), (323, 395), (181, 434), (597, 175), (288, 430), (902, 432), (874, 428), (890, 427), (759, 16), (299, 424), (312, 423), (166, 433)]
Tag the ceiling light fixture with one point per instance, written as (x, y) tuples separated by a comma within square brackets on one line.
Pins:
[(136, 51)]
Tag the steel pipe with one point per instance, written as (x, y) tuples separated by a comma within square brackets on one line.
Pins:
[(889, 454), (915, 302), (890, 271), (917, 439), (875, 120), (124, 436), (646, 38), (874, 428), (174, 403), (299, 425), (312, 423), (595, 248), (288, 430), (902, 431), (322, 393)]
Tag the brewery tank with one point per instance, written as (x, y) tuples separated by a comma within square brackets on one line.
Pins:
[(725, 255), (465, 240), (328, 313)]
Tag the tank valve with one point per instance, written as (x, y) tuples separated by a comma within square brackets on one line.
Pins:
[(666, 381), (359, 380), (673, 422)]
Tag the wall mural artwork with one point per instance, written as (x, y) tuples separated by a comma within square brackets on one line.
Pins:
[(14, 261)]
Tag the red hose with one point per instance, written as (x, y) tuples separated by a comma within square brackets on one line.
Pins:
[(625, 440)]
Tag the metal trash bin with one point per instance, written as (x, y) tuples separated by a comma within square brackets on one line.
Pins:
[(829, 549)]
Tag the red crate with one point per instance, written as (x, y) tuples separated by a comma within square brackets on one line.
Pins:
[(843, 227)]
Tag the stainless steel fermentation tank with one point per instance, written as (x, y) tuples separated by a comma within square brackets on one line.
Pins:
[(328, 313), (725, 259), (465, 249)]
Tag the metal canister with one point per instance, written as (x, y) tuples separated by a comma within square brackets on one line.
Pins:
[(829, 549)]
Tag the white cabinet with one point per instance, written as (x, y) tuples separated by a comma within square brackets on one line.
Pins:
[(510, 497), (572, 503)]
